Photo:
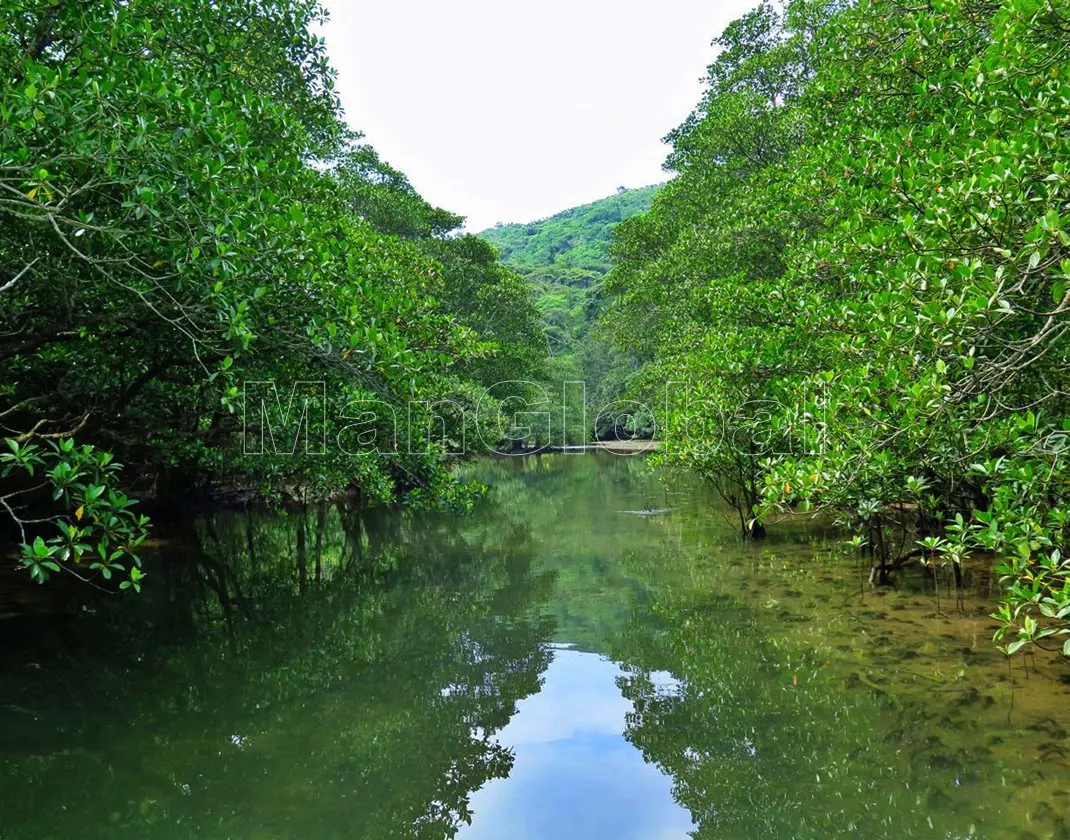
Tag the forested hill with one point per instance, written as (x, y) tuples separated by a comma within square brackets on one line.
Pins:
[(571, 247), (565, 259)]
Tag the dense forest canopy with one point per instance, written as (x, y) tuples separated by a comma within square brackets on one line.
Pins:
[(184, 211), (862, 273)]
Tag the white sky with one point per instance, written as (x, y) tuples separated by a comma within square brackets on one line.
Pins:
[(504, 111)]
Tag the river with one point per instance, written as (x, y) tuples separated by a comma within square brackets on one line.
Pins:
[(590, 653)]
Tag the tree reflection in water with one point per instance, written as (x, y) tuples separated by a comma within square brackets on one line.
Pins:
[(341, 673)]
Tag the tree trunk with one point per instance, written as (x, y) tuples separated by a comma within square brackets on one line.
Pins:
[(321, 523), (302, 551)]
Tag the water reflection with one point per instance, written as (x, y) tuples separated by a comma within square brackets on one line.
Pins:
[(575, 776), (357, 696), (551, 666), (756, 748), (801, 711)]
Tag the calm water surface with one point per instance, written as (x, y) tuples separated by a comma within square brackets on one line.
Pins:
[(591, 653)]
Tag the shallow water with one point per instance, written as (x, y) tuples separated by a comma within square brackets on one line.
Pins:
[(592, 653)]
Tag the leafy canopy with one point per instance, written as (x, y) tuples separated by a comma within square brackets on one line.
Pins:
[(183, 211)]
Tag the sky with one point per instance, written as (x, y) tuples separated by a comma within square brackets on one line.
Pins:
[(503, 111)]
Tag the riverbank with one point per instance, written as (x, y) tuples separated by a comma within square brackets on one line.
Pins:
[(619, 447)]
